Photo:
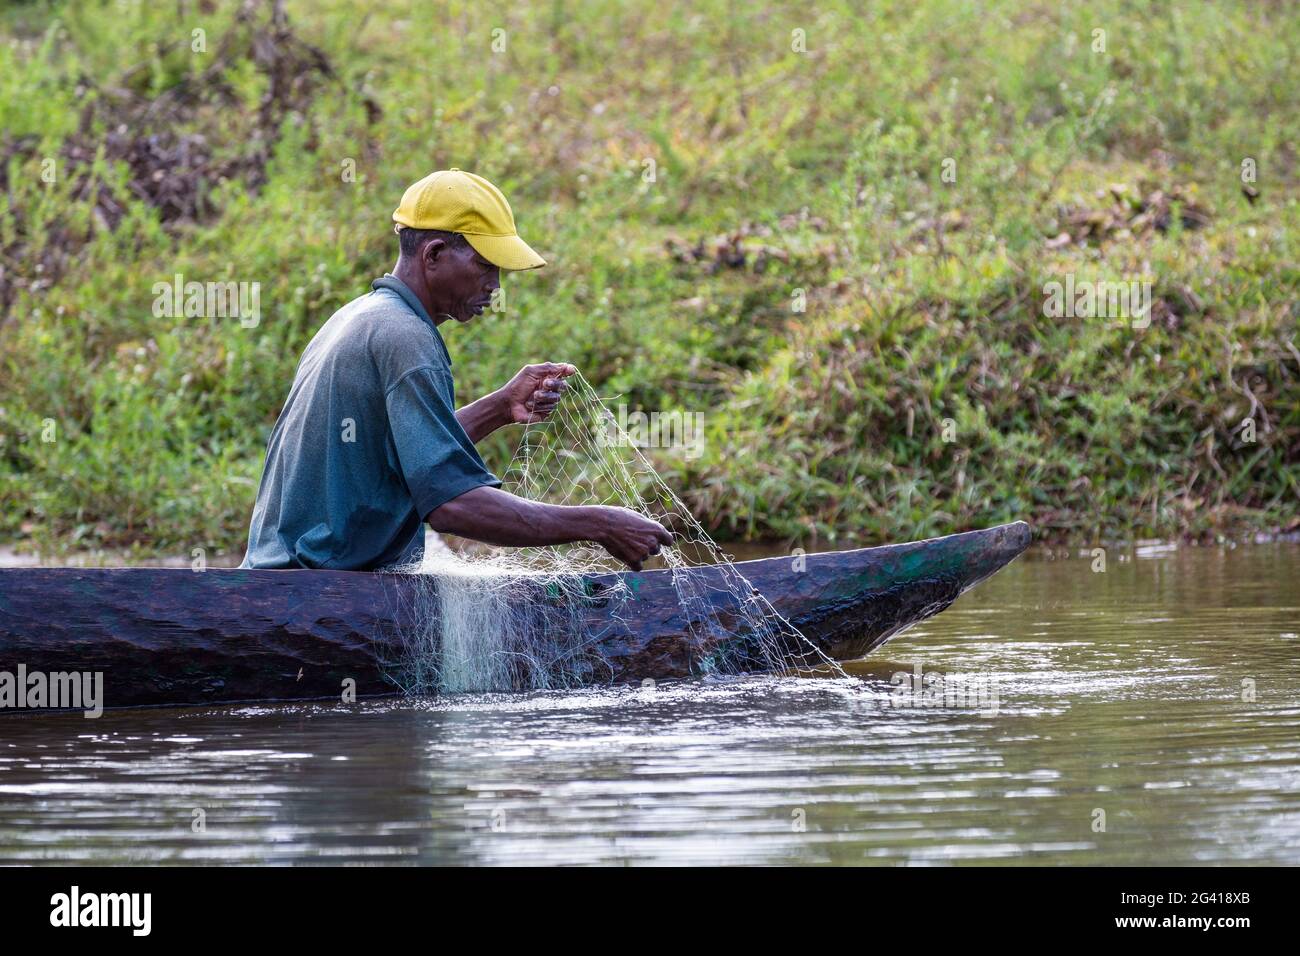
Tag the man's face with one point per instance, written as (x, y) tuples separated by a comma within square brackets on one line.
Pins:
[(460, 281)]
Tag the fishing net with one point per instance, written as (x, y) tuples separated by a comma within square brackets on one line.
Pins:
[(491, 619)]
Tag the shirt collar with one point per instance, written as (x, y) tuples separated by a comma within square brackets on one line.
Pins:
[(393, 284)]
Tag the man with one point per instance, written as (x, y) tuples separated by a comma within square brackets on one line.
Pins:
[(370, 444)]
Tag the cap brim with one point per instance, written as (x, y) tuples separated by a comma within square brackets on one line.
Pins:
[(506, 252)]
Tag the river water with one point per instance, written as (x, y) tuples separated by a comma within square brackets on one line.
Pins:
[(1147, 714)]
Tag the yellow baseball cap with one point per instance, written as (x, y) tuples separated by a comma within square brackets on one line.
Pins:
[(453, 200)]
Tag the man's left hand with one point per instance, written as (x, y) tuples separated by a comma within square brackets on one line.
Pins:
[(534, 392)]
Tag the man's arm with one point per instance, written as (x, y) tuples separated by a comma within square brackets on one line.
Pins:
[(497, 517), (482, 418)]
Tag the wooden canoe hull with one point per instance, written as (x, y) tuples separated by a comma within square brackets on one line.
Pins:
[(167, 636)]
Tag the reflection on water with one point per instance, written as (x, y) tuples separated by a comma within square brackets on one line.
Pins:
[(1159, 700)]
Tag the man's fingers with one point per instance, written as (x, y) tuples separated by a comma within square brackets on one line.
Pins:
[(562, 369)]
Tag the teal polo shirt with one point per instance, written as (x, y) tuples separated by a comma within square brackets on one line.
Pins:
[(367, 444)]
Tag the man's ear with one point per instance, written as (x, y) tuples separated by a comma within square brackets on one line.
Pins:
[(431, 251)]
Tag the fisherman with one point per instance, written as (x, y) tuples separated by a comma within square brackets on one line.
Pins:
[(370, 444)]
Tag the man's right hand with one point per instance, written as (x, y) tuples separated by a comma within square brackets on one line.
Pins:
[(631, 537)]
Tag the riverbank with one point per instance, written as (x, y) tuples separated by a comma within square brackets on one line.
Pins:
[(845, 255)]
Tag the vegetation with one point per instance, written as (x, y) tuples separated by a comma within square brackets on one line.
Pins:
[(835, 244)]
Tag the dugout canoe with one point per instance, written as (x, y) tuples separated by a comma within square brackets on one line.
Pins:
[(177, 637)]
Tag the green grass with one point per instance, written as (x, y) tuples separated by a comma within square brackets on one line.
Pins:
[(924, 296)]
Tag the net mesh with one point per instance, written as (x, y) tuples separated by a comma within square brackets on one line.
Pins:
[(489, 619)]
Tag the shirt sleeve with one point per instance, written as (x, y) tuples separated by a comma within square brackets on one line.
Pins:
[(436, 458)]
